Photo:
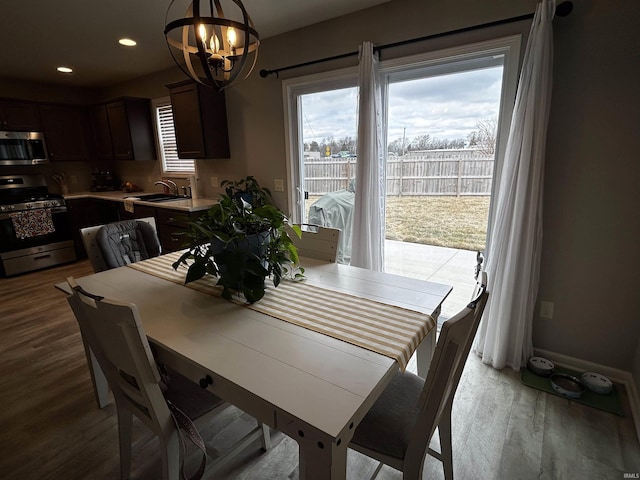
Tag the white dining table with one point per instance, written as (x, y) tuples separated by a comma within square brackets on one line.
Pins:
[(310, 386)]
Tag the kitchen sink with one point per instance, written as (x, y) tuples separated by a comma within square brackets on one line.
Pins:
[(160, 197)]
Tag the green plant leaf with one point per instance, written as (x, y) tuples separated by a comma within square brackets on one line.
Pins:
[(196, 271)]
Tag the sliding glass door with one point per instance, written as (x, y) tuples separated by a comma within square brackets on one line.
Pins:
[(444, 121)]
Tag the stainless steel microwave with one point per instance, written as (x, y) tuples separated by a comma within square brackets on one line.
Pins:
[(22, 148)]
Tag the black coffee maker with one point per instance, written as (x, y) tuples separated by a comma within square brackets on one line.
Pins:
[(103, 181)]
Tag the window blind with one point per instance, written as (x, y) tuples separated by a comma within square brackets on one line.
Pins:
[(167, 138)]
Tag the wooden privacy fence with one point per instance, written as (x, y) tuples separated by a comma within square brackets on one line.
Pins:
[(432, 173)]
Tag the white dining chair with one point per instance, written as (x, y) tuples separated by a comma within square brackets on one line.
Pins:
[(398, 429), (115, 334), (317, 242)]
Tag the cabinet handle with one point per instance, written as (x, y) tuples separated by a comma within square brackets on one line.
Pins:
[(189, 152)]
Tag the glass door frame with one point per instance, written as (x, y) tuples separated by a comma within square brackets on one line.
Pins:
[(292, 88)]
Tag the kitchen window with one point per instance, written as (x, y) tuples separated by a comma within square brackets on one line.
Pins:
[(166, 134)]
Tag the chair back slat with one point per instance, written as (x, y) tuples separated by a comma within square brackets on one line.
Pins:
[(318, 242), (114, 332)]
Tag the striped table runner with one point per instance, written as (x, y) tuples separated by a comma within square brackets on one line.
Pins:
[(391, 331)]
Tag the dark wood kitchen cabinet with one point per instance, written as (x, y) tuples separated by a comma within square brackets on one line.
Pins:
[(101, 132), (19, 115), (171, 224), (65, 131), (200, 121), (131, 129), (87, 212)]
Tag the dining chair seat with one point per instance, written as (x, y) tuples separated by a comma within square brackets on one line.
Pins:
[(390, 422)]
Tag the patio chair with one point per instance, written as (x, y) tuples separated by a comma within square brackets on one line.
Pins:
[(115, 334), (399, 427)]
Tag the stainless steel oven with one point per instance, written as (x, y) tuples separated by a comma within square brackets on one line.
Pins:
[(22, 148), (34, 226)]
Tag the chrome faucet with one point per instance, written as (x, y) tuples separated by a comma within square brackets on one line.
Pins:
[(169, 184)]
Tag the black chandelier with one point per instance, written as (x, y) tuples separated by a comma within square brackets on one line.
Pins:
[(210, 48)]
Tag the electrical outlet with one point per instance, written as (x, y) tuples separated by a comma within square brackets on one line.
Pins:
[(214, 182), (546, 309), (278, 185), (74, 179)]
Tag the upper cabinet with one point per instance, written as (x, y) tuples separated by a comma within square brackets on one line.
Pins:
[(131, 129), (65, 131), (200, 121), (19, 115), (101, 132)]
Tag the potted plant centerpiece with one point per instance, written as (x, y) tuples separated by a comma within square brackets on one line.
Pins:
[(242, 240)]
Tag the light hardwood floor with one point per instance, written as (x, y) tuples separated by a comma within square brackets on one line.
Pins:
[(50, 427)]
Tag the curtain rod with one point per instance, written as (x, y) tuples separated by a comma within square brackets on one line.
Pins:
[(562, 10)]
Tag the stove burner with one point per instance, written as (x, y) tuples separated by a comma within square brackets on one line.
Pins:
[(40, 198), (27, 192)]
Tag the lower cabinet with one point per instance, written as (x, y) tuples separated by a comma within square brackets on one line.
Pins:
[(170, 223), (139, 211)]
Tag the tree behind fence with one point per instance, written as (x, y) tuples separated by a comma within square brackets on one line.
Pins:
[(432, 172)]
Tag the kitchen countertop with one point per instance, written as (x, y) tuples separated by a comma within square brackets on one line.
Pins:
[(185, 205)]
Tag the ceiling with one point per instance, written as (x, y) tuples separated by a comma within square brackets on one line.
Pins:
[(39, 36)]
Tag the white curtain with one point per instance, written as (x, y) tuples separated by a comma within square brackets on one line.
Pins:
[(514, 246), (368, 217)]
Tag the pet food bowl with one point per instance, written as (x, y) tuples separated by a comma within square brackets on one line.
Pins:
[(596, 383), (540, 366), (567, 385)]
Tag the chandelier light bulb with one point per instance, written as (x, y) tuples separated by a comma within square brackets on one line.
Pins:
[(202, 31), (215, 43), (231, 37)]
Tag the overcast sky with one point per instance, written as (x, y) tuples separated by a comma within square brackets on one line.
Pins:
[(446, 106)]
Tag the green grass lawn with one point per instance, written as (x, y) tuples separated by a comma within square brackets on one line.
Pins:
[(456, 222)]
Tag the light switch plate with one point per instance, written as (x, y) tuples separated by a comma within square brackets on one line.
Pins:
[(214, 182), (546, 309)]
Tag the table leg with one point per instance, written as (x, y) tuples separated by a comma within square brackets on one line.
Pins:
[(322, 463), (425, 350)]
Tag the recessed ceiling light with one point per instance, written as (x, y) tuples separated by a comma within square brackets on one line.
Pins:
[(65, 70), (127, 42)]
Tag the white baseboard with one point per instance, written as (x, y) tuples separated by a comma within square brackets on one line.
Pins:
[(616, 375)]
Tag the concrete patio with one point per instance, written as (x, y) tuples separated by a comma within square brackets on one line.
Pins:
[(445, 265)]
